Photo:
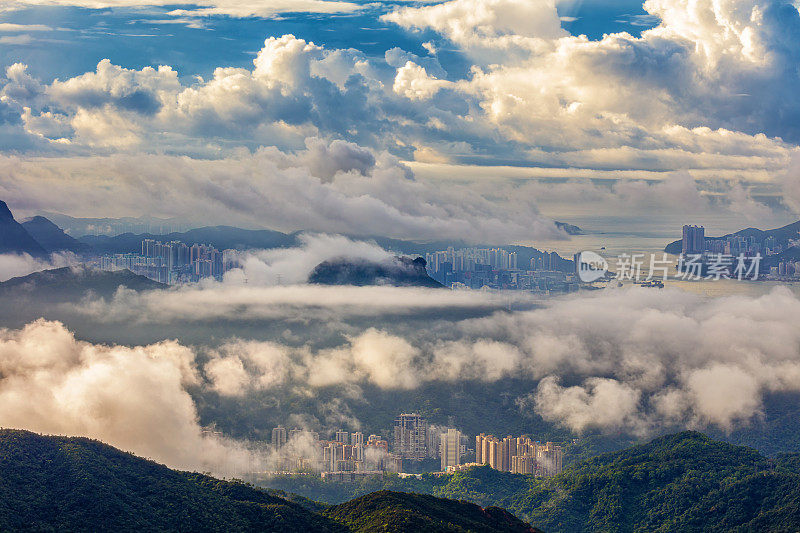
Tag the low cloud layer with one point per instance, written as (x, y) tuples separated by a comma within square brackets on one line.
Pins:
[(15, 265), (329, 186), (628, 360)]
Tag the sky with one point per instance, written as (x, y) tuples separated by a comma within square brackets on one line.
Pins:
[(476, 120)]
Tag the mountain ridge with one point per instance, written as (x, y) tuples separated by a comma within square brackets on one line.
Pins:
[(52, 238), (223, 237), (14, 238), (71, 282)]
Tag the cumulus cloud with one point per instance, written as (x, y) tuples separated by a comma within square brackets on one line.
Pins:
[(132, 398), (542, 97), (624, 100), (413, 82), (619, 107), (600, 403)]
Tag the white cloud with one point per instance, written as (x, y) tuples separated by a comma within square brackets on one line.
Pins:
[(15, 265), (413, 82), (707, 95), (293, 265), (600, 403), (234, 8), (8, 27), (131, 398), (351, 191), (628, 359), (623, 100)]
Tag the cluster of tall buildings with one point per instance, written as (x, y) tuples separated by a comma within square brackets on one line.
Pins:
[(785, 270), (753, 246), (466, 259), (347, 456), (299, 450), (519, 455), (694, 242), (416, 440), (497, 268), (172, 262)]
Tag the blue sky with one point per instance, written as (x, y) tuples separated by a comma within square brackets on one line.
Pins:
[(138, 37)]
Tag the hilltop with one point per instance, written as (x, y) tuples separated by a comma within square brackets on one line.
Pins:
[(221, 237), (72, 283), (78, 484), (399, 272), (14, 238), (398, 511), (52, 238)]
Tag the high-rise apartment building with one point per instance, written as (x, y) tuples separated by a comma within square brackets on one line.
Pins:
[(410, 437), (450, 448), (357, 440), (278, 438), (519, 455), (523, 464), (693, 241), (549, 459)]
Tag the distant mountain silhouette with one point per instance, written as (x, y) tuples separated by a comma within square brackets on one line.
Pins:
[(221, 237), (14, 239), (569, 229), (52, 238), (398, 272), (72, 283), (224, 237)]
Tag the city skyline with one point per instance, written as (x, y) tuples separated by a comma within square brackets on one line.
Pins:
[(344, 455)]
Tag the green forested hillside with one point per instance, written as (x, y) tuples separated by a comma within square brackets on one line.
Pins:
[(398, 511), (684, 482), (681, 482), (77, 484)]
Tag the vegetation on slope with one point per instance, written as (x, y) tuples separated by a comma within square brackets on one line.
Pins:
[(400, 512), (77, 484)]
